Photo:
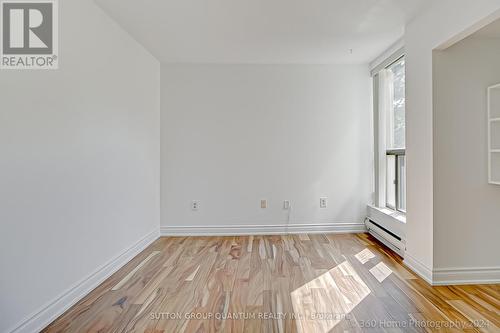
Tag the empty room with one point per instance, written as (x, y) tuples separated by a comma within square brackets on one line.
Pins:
[(279, 166)]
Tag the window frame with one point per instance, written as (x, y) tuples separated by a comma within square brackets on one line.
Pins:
[(381, 152), (396, 153)]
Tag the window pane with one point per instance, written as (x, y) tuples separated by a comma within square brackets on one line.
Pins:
[(495, 167), (402, 183), (397, 116), (495, 134), (391, 181)]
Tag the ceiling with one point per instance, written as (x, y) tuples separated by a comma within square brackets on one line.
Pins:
[(264, 31)]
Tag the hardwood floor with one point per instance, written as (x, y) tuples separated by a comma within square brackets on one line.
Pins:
[(294, 283)]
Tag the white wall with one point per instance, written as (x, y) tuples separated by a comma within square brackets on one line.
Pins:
[(79, 161), (440, 23), (235, 134), (466, 207)]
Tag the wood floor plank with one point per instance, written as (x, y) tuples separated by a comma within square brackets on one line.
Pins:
[(481, 321), (135, 270), (193, 275), (277, 284)]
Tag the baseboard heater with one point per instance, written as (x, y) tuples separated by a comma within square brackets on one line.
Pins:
[(389, 239)]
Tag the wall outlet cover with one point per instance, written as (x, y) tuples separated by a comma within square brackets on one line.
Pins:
[(323, 202)]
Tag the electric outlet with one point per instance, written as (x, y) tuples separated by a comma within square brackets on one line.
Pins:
[(195, 205), (323, 202), (286, 204), (263, 204)]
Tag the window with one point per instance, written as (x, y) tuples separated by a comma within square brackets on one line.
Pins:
[(390, 131), (396, 179), (395, 144), (397, 112)]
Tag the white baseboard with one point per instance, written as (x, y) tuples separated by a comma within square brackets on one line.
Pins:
[(479, 275), (49, 312), (453, 276), (418, 267), (276, 229)]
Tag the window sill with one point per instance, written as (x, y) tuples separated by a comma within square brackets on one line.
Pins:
[(400, 216)]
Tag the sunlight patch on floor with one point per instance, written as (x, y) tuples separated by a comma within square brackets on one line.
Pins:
[(380, 271), (322, 303), (364, 256)]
